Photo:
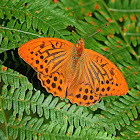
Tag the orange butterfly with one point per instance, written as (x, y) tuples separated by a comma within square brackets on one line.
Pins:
[(83, 74)]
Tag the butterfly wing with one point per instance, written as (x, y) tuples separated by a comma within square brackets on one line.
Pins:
[(80, 90), (54, 83), (104, 76), (96, 76), (48, 57)]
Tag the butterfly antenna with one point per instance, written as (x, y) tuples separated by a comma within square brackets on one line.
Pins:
[(97, 31), (74, 17)]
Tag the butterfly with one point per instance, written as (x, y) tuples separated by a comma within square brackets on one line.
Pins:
[(65, 69)]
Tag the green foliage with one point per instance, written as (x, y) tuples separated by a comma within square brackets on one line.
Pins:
[(27, 111)]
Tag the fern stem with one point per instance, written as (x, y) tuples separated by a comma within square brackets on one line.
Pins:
[(5, 121), (19, 31), (122, 34), (125, 10)]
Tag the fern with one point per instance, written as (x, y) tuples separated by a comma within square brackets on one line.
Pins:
[(27, 111), (59, 114)]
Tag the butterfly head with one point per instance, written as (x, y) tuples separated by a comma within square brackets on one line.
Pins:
[(80, 46)]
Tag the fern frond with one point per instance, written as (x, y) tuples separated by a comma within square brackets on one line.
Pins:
[(23, 99), (121, 113), (59, 113), (132, 131), (27, 128), (31, 20), (2, 135), (52, 118)]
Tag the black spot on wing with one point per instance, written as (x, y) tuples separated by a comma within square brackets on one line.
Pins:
[(55, 78), (41, 66), (59, 88), (42, 46), (37, 61), (91, 91), (80, 89), (107, 81), (46, 70), (86, 90), (60, 81), (97, 89), (53, 85), (112, 72), (78, 95), (91, 97), (94, 101), (103, 89), (108, 88), (48, 81), (41, 57), (46, 61), (85, 97), (88, 103)]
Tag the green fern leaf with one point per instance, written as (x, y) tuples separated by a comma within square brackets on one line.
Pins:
[(29, 113)]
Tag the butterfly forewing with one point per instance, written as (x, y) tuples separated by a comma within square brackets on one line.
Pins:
[(108, 80), (46, 55)]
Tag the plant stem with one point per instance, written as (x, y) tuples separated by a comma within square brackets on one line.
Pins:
[(5, 121)]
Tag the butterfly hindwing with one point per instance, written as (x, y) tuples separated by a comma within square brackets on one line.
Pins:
[(80, 90), (82, 94), (54, 83)]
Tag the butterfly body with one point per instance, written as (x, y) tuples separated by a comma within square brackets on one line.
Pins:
[(80, 47), (64, 68)]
